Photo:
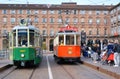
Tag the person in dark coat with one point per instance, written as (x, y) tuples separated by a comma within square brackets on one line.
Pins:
[(110, 47), (84, 50)]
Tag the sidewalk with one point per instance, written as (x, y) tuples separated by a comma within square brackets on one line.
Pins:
[(110, 70)]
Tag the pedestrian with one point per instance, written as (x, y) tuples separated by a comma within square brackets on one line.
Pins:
[(116, 53), (95, 53), (110, 48), (103, 56), (105, 47), (98, 51), (84, 50), (89, 52)]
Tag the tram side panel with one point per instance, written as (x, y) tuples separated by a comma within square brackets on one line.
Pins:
[(69, 51), (23, 55)]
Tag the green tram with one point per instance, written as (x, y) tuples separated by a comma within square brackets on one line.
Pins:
[(25, 45)]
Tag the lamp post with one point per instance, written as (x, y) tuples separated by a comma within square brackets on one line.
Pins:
[(48, 37), (83, 37)]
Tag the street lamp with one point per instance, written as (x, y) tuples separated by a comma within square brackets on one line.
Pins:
[(83, 37)]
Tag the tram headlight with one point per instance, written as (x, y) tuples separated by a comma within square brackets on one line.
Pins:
[(69, 52), (22, 55)]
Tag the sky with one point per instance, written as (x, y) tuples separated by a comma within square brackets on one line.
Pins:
[(79, 2)]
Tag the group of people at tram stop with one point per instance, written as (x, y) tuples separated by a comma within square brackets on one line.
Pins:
[(110, 53)]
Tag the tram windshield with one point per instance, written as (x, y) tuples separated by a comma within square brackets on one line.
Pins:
[(23, 38), (69, 39), (31, 37), (20, 38)]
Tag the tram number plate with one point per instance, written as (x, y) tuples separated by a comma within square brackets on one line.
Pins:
[(22, 51)]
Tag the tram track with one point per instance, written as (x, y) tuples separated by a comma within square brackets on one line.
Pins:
[(68, 72), (15, 72), (62, 65), (8, 72), (32, 73)]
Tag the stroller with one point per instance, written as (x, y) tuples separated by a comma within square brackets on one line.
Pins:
[(110, 59), (107, 59)]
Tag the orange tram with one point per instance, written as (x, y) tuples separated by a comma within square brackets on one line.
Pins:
[(67, 45)]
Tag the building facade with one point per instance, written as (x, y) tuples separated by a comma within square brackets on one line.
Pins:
[(97, 21), (115, 21)]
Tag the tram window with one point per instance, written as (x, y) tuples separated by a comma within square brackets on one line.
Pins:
[(14, 39), (37, 39), (78, 40), (61, 40), (10, 42), (69, 39), (19, 41), (72, 40), (32, 39), (22, 39)]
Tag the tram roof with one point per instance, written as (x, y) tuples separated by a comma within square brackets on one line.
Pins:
[(67, 33), (26, 27), (68, 28)]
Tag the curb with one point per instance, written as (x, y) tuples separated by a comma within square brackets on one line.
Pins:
[(113, 74)]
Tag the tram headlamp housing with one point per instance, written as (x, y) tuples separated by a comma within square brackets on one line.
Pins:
[(22, 55), (69, 52)]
